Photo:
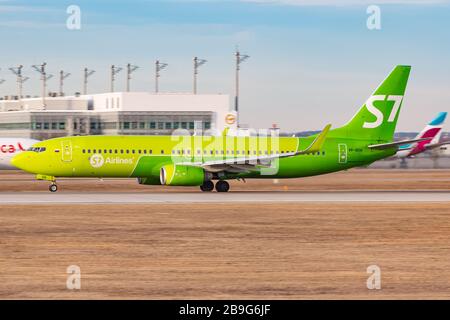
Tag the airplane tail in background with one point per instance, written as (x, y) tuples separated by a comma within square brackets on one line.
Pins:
[(377, 118), (432, 131), (434, 128)]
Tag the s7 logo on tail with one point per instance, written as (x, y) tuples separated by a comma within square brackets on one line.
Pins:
[(378, 114)]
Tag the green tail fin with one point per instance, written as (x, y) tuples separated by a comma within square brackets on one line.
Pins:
[(377, 118)]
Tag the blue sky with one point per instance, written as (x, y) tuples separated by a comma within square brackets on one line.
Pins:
[(312, 61)]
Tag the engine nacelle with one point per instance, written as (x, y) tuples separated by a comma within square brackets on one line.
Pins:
[(174, 175)]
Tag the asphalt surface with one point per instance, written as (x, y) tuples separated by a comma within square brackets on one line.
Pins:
[(67, 197)]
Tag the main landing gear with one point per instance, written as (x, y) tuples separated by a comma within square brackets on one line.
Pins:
[(53, 187), (221, 186), (208, 186)]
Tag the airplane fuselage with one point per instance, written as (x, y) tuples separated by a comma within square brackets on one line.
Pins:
[(143, 156)]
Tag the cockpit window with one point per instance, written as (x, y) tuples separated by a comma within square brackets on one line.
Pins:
[(36, 149)]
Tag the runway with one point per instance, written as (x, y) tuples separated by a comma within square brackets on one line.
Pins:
[(62, 197), (310, 238)]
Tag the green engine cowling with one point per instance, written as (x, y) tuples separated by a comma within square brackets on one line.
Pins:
[(179, 175)]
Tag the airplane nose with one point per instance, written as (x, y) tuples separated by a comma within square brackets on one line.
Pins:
[(19, 161)]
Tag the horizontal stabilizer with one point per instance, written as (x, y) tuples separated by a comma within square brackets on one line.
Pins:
[(436, 145), (395, 144)]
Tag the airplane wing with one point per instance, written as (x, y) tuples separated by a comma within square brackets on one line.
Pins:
[(246, 164), (395, 144)]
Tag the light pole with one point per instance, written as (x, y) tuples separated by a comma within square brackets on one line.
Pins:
[(87, 74), (130, 69), (158, 67), (44, 78), (18, 72), (62, 76), (239, 59), (114, 70), (197, 63), (23, 80)]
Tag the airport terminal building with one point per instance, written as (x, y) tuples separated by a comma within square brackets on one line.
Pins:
[(117, 113)]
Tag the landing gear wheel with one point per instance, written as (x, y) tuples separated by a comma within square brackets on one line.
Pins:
[(222, 186), (207, 186), (53, 187)]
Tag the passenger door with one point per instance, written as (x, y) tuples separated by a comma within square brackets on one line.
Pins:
[(66, 154), (342, 147)]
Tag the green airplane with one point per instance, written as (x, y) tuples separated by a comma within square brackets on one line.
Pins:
[(183, 160)]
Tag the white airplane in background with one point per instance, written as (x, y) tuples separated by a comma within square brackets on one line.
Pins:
[(9, 147), (430, 136)]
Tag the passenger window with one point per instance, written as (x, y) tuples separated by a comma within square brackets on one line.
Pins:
[(89, 150), (128, 151), (151, 151), (162, 151), (121, 150), (133, 151), (84, 151), (115, 150)]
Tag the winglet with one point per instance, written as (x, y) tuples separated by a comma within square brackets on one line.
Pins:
[(225, 131), (317, 144)]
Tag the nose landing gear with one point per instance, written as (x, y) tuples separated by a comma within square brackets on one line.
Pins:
[(53, 187)]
